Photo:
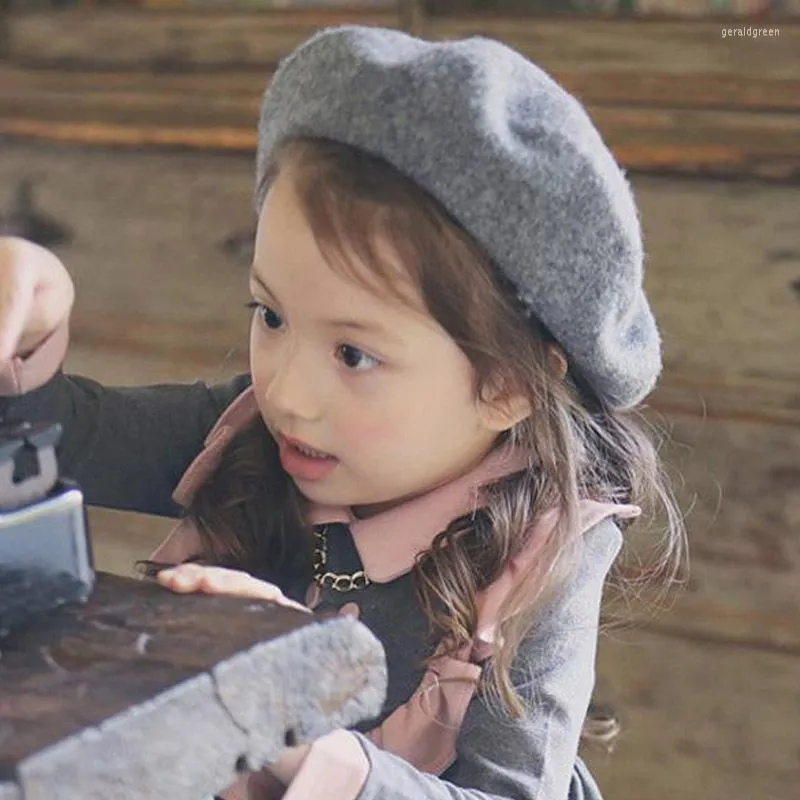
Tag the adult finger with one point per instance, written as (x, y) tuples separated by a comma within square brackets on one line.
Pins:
[(16, 296)]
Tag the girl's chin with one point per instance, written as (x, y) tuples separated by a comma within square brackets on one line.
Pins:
[(360, 507), (316, 492)]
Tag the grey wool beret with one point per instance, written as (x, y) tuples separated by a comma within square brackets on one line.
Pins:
[(512, 156)]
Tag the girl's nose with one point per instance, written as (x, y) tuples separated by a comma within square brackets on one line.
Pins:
[(291, 390)]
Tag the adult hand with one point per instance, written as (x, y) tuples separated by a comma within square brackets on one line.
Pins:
[(36, 296)]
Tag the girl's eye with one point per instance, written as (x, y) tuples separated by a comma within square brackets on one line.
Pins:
[(269, 317), (352, 357)]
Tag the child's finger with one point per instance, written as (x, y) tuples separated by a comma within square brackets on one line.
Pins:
[(186, 578), (183, 578), (219, 580)]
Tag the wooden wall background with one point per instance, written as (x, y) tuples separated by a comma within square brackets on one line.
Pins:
[(593, 7), (137, 132)]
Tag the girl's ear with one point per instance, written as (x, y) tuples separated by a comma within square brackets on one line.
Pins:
[(501, 412), (557, 361)]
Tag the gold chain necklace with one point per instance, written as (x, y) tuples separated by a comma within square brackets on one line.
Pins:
[(325, 579)]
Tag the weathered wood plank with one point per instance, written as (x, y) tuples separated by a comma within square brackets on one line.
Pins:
[(191, 109), (738, 485), (136, 39), (611, 86), (683, 140), (172, 212), (652, 89), (625, 70), (102, 699), (721, 269), (743, 482), (730, 11), (746, 10), (639, 45), (165, 40), (712, 143), (234, 100), (684, 392), (698, 719)]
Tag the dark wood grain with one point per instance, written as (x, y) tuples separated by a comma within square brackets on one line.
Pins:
[(669, 96), (692, 143), (205, 40), (593, 83), (141, 691)]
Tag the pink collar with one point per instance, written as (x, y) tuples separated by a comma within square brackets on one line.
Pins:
[(389, 542)]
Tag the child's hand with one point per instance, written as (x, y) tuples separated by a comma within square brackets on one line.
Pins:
[(190, 578), (261, 784), (36, 296)]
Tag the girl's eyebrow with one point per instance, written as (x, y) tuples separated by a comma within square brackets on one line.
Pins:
[(352, 324)]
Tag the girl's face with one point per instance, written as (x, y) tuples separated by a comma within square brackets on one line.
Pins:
[(378, 385)]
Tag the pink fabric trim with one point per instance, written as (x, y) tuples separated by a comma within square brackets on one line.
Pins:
[(489, 601), (182, 542), (384, 553), (338, 763), (423, 730), (20, 376), (237, 416)]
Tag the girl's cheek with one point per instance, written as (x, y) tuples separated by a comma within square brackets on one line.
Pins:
[(365, 433), (257, 354)]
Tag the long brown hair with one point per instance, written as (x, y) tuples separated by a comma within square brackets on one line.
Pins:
[(577, 446)]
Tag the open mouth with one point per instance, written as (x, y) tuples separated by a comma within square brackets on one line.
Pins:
[(305, 462), (307, 451)]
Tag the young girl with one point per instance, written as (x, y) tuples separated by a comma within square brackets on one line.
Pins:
[(449, 335)]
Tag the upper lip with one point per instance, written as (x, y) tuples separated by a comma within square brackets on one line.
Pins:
[(304, 445)]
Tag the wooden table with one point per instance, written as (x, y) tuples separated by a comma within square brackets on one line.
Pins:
[(141, 693)]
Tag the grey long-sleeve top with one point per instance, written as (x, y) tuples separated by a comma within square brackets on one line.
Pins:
[(128, 448)]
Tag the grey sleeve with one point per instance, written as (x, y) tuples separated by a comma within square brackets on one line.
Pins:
[(126, 447), (532, 757)]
